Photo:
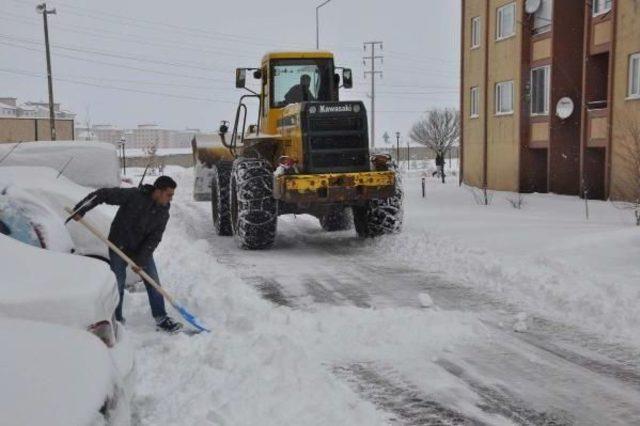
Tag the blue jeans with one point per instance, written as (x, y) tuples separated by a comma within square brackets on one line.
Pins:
[(156, 301)]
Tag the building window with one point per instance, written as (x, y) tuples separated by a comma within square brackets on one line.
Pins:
[(475, 32), (475, 102), (504, 98), (634, 76), (543, 18), (601, 6), (506, 21), (540, 85)]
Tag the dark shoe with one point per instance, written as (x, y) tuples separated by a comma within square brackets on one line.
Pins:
[(169, 325)]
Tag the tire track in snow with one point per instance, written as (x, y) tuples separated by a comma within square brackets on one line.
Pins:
[(270, 289), (405, 402), (379, 278), (499, 401)]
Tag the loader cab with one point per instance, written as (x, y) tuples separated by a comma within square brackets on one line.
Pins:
[(293, 77)]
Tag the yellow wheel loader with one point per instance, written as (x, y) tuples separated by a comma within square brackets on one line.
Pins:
[(306, 153)]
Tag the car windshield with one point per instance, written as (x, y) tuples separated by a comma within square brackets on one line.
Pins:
[(300, 80)]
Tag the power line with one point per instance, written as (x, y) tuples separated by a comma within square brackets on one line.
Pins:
[(137, 40), (123, 66), (25, 73), (104, 16), (114, 55)]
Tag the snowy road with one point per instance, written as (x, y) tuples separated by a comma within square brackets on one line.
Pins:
[(335, 333)]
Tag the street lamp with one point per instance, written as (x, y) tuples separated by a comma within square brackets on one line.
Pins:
[(318, 23)]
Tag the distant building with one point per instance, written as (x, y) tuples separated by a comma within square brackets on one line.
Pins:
[(141, 137), (107, 133), (548, 96), (30, 121)]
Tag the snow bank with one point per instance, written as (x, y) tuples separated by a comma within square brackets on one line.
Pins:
[(93, 164), (52, 375), (545, 258), (54, 287)]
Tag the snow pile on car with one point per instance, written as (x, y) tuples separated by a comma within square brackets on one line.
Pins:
[(54, 287), (17, 205), (52, 375), (42, 185), (93, 164)]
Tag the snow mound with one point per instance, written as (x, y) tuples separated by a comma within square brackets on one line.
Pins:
[(425, 300)]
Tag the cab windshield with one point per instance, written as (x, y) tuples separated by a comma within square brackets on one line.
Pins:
[(301, 80)]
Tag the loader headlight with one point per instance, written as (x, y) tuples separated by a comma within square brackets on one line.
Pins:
[(356, 108)]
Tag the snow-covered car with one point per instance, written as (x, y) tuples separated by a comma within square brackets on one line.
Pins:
[(63, 289), (92, 164), (32, 222), (43, 187), (55, 375)]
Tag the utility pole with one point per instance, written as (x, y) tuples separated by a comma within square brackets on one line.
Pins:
[(398, 147), (318, 23), (42, 8), (372, 46)]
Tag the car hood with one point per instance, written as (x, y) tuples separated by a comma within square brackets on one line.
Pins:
[(54, 287)]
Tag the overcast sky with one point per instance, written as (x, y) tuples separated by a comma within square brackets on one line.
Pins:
[(121, 61)]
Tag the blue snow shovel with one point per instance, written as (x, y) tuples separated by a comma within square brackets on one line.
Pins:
[(190, 318)]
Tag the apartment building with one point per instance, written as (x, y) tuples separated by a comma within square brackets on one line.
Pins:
[(550, 95)]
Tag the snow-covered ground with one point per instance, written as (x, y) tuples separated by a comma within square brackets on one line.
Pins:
[(474, 313)]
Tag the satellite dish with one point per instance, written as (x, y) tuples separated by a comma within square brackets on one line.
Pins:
[(565, 108), (532, 6)]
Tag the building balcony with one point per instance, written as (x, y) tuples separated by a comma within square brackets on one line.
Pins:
[(598, 127), (601, 34)]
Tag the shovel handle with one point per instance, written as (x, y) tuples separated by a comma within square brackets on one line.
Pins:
[(124, 257)]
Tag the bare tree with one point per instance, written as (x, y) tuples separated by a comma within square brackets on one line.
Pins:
[(438, 130), (151, 155), (628, 189)]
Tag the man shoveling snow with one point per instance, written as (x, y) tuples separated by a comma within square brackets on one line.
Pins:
[(137, 230)]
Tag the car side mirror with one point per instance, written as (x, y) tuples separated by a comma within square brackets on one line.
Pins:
[(241, 78), (347, 78)]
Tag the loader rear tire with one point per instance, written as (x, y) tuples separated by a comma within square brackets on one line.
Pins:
[(337, 219), (380, 217), (254, 211), (220, 198)]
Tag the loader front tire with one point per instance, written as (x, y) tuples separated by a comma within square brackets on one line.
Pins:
[(220, 198), (254, 211), (380, 217)]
